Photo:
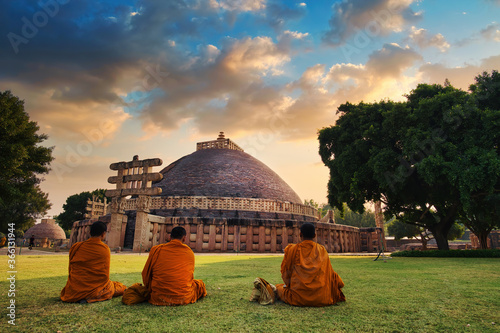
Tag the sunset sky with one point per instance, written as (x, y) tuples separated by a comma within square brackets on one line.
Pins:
[(106, 80)]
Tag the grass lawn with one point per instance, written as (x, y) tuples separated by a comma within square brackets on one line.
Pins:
[(400, 295)]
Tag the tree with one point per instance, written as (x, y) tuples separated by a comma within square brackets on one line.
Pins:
[(311, 203), (345, 217), (482, 213), (425, 159), (482, 217), (400, 230), (22, 161), (75, 207), (349, 217)]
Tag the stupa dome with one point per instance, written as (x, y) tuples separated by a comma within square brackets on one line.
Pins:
[(224, 171), (47, 229)]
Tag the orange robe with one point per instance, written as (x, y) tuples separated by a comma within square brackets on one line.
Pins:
[(309, 277), (168, 275), (88, 276)]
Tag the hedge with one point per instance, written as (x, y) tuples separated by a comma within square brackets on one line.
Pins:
[(490, 253)]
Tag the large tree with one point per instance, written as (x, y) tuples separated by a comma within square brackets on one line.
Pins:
[(75, 207), (425, 158), (481, 213), (22, 162)]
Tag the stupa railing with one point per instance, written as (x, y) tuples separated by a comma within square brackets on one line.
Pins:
[(225, 203)]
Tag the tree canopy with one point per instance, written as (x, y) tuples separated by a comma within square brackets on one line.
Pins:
[(75, 207), (427, 159), (22, 161)]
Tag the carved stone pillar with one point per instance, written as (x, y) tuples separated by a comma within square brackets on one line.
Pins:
[(115, 227), (141, 234)]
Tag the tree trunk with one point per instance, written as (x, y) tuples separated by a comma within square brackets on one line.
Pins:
[(440, 230), (440, 233), (441, 239), (379, 221), (423, 240), (483, 240)]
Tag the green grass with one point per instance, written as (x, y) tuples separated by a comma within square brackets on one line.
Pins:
[(400, 295)]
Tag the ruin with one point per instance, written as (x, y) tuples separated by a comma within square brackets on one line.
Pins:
[(227, 201)]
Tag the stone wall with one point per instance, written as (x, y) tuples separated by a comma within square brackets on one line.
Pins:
[(371, 239), (236, 235), (252, 236), (81, 229)]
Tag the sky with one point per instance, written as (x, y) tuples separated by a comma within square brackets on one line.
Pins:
[(107, 80)]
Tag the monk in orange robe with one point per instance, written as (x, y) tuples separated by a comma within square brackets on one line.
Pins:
[(168, 272), (308, 274), (88, 276)]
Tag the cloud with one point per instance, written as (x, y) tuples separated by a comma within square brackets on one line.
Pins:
[(377, 17), (391, 60), (67, 120), (278, 14), (239, 5), (228, 90), (90, 56), (460, 77), (321, 91), (496, 2), (229, 93), (490, 33), (423, 39)]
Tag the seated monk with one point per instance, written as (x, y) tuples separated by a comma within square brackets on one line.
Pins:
[(168, 273), (308, 274), (88, 277)]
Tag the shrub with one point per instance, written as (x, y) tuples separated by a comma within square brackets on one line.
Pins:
[(490, 253)]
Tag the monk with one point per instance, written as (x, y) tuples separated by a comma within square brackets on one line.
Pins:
[(88, 276), (308, 274), (168, 273)]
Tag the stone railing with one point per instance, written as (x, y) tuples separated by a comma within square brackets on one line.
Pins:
[(250, 236), (218, 144), (226, 203), (81, 229)]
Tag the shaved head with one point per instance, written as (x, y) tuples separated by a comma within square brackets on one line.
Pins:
[(178, 233), (308, 230)]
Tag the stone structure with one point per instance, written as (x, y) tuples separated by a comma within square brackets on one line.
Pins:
[(134, 179), (46, 233), (329, 217), (96, 208), (371, 239), (227, 201)]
